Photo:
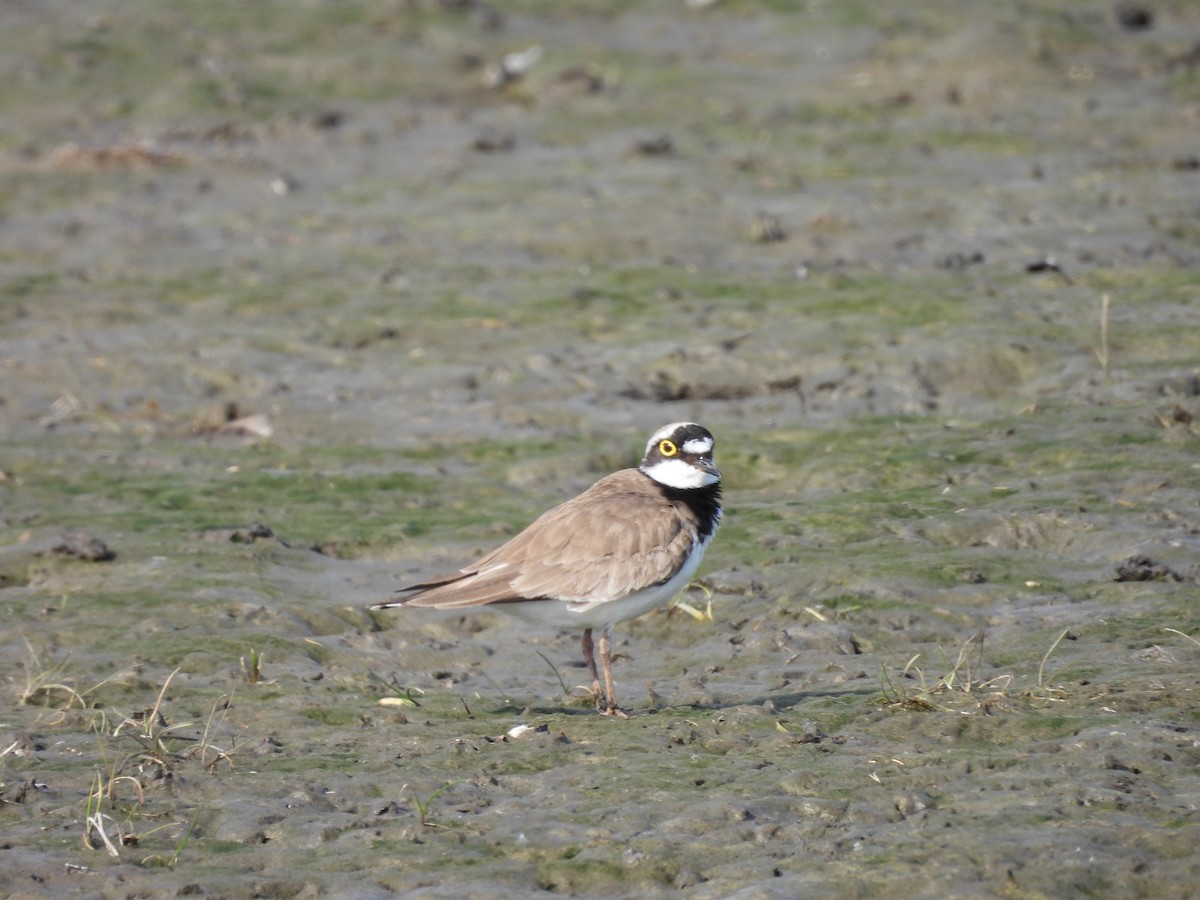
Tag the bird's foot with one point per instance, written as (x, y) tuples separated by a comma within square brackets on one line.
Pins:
[(614, 711)]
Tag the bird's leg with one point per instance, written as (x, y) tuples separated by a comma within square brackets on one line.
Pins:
[(590, 658), (606, 662)]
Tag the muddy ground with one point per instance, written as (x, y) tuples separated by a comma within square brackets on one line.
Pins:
[(300, 302)]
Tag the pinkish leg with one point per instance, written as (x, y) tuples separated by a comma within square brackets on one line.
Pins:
[(606, 662), (590, 658)]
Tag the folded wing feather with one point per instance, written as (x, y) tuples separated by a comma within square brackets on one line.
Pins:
[(620, 536)]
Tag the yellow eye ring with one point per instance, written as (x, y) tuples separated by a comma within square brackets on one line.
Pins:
[(667, 448)]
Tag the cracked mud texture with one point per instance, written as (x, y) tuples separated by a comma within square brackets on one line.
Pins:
[(303, 302)]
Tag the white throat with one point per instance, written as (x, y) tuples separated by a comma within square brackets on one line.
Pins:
[(675, 473)]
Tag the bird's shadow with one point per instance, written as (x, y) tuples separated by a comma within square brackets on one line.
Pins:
[(781, 702)]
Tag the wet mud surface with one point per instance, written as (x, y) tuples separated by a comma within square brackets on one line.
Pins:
[(301, 303)]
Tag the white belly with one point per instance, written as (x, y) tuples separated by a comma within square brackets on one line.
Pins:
[(598, 613)]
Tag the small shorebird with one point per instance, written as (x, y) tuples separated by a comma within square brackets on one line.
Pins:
[(623, 547)]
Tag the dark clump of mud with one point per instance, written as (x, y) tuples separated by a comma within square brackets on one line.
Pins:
[(394, 278), (1143, 568), (81, 545)]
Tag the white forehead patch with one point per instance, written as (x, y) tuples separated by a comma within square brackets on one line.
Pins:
[(698, 446)]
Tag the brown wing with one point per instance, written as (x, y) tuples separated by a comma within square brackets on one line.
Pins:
[(619, 536)]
